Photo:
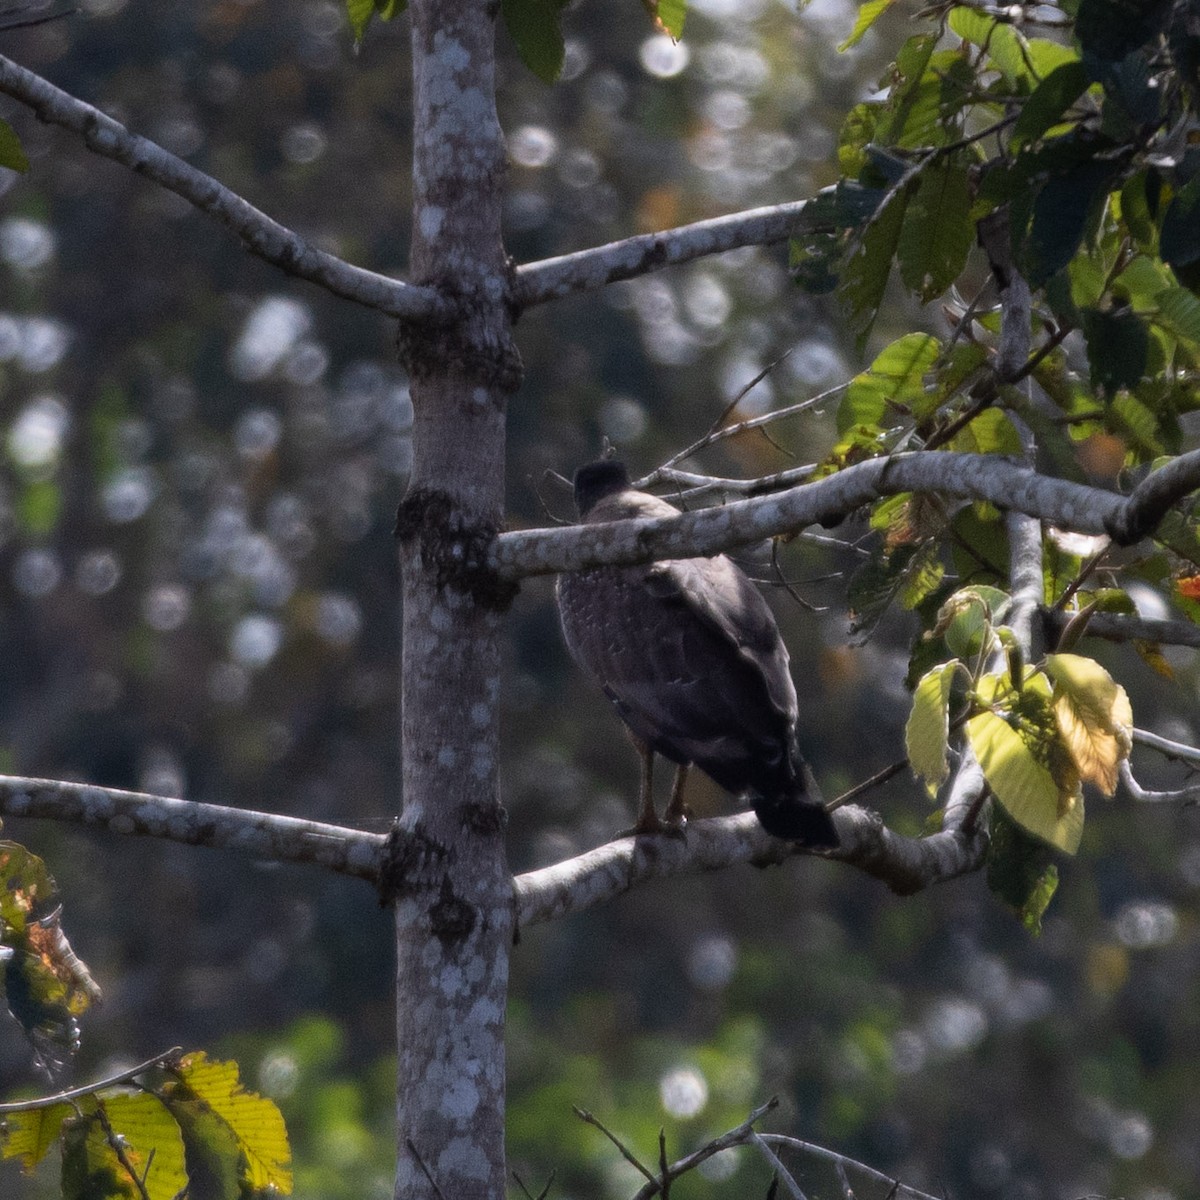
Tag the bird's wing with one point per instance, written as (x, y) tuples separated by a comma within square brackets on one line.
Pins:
[(676, 678), (720, 596)]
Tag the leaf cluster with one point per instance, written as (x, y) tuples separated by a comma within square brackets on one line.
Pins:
[(196, 1133)]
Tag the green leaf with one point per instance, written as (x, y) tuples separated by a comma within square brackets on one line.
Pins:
[(1129, 417), (890, 385), (1007, 49), (254, 1121), (1117, 346), (868, 14), (1023, 785), (669, 15), (150, 1145), (1179, 311), (991, 432), (534, 26), (907, 572), (938, 232), (1020, 870), (866, 273), (912, 60), (927, 733), (360, 13), (1017, 746), (1049, 100), (12, 153), (968, 617), (29, 1135)]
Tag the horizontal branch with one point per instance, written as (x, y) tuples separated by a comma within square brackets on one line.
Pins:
[(906, 865), (589, 270), (265, 835), (1119, 627), (1008, 485), (263, 236)]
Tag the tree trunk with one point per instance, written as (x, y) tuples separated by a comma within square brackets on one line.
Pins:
[(450, 882)]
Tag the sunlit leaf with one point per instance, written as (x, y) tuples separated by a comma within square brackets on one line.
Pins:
[(150, 1160), (1094, 717), (1023, 785), (1005, 47), (868, 14), (991, 432), (668, 15), (29, 1135), (360, 13), (890, 385), (1016, 744), (254, 1121), (927, 734)]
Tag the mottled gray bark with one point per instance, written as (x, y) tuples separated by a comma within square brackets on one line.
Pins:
[(450, 884), (271, 836)]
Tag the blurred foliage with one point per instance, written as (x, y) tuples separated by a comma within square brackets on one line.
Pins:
[(201, 463)]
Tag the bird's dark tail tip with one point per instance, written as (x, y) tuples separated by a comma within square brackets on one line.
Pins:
[(796, 820)]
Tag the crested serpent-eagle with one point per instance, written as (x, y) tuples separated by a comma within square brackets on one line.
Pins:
[(691, 658)]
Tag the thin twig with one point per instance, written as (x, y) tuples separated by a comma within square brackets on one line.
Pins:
[(735, 1137), (1173, 750), (117, 1146), (781, 1172), (626, 1153), (832, 1156), (720, 434), (1085, 573), (876, 780), (1186, 795), (159, 1060)]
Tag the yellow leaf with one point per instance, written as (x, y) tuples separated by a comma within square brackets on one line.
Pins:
[(255, 1122), (1024, 786), (928, 730), (28, 1135), (1094, 717)]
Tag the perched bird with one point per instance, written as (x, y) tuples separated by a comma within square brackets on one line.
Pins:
[(691, 658)]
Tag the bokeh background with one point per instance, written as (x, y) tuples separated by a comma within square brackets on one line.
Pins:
[(200, 461)]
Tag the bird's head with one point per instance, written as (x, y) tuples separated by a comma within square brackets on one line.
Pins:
[(596, 480)]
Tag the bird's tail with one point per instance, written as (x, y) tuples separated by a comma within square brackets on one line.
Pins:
[(797, 813), (796, 818)]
